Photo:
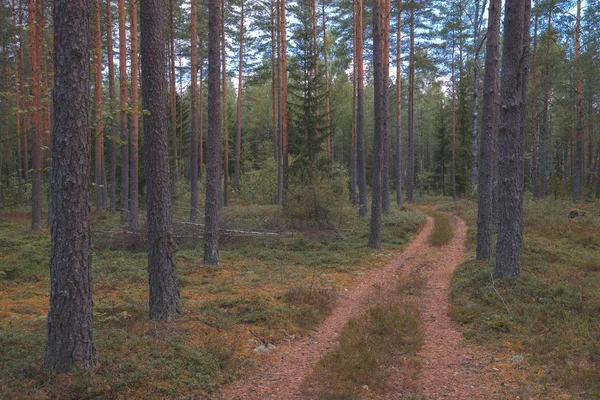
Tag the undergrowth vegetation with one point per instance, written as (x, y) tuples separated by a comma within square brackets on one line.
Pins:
[(389, 334), (443, 229), (551, 315), (267, 289)]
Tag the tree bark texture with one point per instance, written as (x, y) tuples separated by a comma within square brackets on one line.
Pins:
[(70, 335), (134, 219), (361, 168), (213, 144), (194, 116), (164, 292), (489, 133), (510, 143), (379, 124), (124, 196)]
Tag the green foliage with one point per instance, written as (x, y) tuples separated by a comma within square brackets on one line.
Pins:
[(323, 201), (259, 186)]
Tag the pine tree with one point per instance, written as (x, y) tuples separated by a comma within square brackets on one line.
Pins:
[(489, 133), (510, 141), (124, 197), (213, 144), (164, 292), (133, 147), (70, 337)]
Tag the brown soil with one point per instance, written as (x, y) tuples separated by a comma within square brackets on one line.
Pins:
[(450, 369)]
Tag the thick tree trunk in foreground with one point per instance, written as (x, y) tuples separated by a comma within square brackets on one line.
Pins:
[(213, 144), (124, 199), (361, 168), (70, 336), (489, 133), (194, 117), (510, 142), (164, 293), (134, 219)]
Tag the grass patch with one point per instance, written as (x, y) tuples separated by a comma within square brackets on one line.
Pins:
[(309, 304), (388, 334), (272, 287), (442, 229), (554, 307)]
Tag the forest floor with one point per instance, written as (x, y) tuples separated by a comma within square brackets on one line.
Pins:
[(319, 315), (438, 364)]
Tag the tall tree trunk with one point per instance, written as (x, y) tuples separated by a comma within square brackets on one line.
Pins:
[(173, 101), (201, 109), (124, 197), (24, 103), (593, 159), (489, 133), (326, 66), (238, 131), (164, 293), (385, 170), (225, 123), (534, 145), (353, 171), (410, 168), (70, 335), (545, 131), (111, 95), (34, 10), (524, 75), (213, 143), (134, 219), (361, 168), (98, 113), (578, 167), (510, 142), (379, 123), (399, 106), (453, 114), (16, 47), (475, 118), (273, 81), (279, 146), (284, 100), (194, 116)]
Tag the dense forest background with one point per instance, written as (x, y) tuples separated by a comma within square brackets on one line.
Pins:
[(443, 41)]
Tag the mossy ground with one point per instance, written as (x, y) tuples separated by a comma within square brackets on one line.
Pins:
[(552, 313), (264, 291)]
